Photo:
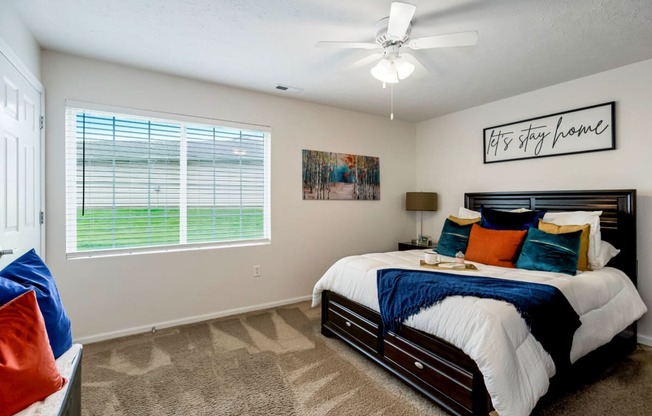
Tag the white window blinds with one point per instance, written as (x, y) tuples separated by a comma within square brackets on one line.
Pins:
[(142, 183)]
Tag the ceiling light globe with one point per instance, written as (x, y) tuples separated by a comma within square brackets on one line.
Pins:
[(403, 68), (385, 71)]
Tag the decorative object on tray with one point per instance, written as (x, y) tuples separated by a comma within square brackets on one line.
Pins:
[(459, 257), (587, 129), (430, 257), (328, 175), (421, 201)]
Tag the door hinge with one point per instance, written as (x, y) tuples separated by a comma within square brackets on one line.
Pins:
[(42, 122), (41, 217)]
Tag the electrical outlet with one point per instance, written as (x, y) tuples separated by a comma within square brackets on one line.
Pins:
[(257, 270)]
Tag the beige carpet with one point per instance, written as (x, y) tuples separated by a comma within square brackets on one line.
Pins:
[(276, 362)]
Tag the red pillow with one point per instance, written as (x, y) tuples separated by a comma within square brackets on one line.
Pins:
[(495, 247), (28, 372)]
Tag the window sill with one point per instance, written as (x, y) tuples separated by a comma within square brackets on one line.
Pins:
[(163, 249)]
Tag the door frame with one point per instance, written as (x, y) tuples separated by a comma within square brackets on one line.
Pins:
[(14, 60)]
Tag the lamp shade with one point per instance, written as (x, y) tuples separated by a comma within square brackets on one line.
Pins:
[(421, 201)]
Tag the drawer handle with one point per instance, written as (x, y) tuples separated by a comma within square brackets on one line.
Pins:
[(418, 365), (347, 323)]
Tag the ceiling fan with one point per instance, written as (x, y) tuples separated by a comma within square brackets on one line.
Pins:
[(392, 34)]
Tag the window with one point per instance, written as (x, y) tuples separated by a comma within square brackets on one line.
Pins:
[(153, 182)]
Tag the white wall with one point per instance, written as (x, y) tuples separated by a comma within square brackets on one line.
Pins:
[(14, 32), (449, 154), (116, 294)]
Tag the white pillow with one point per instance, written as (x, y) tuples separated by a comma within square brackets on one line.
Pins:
[(607, 252), (580, 218), (468, 214)]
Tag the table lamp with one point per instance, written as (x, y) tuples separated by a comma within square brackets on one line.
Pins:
[(421, 201)]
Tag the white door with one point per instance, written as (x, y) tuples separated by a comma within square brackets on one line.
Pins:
[(20, 163)]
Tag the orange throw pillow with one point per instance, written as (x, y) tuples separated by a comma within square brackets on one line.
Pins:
[(28, 372), (494, 247)]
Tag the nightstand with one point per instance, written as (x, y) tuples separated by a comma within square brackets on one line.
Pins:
[(410, 246)]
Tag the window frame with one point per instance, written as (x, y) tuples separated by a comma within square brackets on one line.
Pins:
[(167, 117)]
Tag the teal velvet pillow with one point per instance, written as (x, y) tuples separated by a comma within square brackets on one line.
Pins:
[(550, 252), (454, 238)]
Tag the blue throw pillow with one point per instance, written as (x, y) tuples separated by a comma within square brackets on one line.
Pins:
[(550, 252), (454, 238), (495, 219), (26, 273)]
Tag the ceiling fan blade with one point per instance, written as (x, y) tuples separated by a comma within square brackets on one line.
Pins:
[(444, 41), (347, 45), (360, 63), (400, 15), (419, 69)]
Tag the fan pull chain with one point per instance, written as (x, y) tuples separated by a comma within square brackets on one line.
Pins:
[(391, 101)]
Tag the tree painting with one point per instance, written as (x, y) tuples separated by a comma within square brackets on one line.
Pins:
[(328, 175)]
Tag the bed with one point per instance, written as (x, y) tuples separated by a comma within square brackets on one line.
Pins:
[(445, 373)]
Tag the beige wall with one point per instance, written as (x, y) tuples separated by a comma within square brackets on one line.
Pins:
[(449, 154), (118, 295)]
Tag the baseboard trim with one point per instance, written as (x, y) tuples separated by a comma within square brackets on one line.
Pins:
[(184, 321), (642, 339)]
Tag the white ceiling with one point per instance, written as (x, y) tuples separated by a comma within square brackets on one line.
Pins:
[(256, 44)]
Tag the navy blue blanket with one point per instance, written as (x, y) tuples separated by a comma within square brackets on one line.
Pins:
[(551, 319)]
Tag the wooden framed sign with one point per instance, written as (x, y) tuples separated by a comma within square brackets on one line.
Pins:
[(588, 129)]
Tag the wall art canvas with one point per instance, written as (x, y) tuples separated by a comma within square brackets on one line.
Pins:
[(587, 129), (340, 176)]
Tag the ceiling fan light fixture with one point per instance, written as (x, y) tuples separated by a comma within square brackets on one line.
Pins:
[(385, 71), (403, 68), (392, 70)]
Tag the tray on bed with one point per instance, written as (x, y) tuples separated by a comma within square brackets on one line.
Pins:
[(444, 265)]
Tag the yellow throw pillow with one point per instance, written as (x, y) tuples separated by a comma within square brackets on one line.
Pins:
[(583, 259), (463, 221)]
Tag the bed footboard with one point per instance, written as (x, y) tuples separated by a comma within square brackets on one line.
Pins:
[(433, 367)]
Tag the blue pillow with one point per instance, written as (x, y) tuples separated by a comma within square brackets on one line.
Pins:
[(454, 238), (550, 252), (495, 219), (26, 273)]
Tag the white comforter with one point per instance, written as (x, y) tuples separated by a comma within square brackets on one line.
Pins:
[(515, 367)]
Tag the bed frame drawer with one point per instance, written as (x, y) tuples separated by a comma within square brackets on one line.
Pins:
[(363, 331), (433, 371), (448, 377)]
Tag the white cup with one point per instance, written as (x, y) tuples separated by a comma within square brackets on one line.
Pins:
[(431, 258)]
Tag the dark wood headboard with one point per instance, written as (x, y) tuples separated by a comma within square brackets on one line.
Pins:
[(617, 222)]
